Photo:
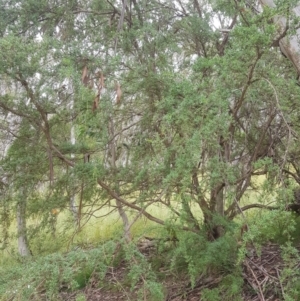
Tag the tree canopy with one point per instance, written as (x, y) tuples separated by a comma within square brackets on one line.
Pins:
[(180, 104)]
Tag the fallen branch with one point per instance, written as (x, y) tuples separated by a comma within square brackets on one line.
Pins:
[(262, 298)]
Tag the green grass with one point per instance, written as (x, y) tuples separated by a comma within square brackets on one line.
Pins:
[(103, 226), (94, 231)]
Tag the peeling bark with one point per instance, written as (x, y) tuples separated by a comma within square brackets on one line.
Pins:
[(289, 44), (21, 226)]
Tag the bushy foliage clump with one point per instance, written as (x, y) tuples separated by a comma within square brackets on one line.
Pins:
[(50, 274), (196, 255)]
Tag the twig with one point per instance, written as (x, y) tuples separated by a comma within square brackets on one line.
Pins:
[(143, 209), (262, 298), (282, 290), (262, 270)]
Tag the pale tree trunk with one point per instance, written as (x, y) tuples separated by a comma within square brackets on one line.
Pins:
[(124, 217), (72, 204), (21, 227), (113, 155), (289, 44)]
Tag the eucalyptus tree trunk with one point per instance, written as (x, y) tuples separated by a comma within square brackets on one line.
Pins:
[(289, 44), (72, 204), (113, 156), (23, 247)]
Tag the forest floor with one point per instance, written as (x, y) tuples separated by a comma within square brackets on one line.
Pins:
[(261, 270)]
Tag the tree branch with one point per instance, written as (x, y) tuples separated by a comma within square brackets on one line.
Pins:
[(135, 207)]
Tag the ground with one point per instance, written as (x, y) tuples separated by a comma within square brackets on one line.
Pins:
[(261, 272)]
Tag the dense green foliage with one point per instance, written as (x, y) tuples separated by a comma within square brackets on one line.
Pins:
[(187, 106)]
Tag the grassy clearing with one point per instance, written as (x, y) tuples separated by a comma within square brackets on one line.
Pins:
[(102, 226), (99, 228)]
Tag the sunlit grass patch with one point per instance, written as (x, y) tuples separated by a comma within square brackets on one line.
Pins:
[(99, 226), (100, 229)]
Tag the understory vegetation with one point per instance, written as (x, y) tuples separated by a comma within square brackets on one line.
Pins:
[(149, 262)]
